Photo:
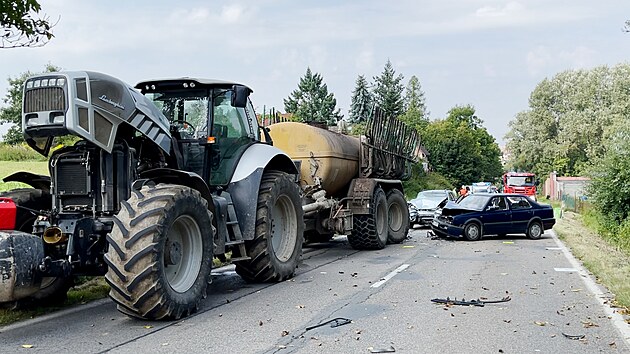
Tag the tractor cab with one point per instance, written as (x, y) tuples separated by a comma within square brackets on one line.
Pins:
[(212, 123)]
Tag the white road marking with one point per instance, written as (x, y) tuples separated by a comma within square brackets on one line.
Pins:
[(553, 249), (390, 275), (616, 319), (565, 269)]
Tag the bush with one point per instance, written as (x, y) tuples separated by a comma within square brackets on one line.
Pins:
[(421, 180), (19, 152)]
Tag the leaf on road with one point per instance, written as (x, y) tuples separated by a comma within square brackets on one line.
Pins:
[(576, 290), (299, 306), (588, 324), (285, 333), (540, 323), (27, 346), (147, 327)]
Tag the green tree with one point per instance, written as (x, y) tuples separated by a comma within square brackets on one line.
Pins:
[(361, 101), (461, 149), (20, 25), (571, 118), (311, 102), (12, 113), (388, 91), (416, 114)]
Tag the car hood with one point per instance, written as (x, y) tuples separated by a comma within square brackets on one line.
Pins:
[(451, 209)]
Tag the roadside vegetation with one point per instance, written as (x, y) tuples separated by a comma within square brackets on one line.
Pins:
[(605, 258)]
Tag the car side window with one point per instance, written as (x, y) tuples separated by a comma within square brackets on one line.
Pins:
[(498, 202), (517, 203)]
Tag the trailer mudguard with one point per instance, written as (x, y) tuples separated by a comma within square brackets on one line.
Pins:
[(361, 190), (20, 254), (245, 183)]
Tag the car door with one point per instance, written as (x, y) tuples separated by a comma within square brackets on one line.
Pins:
[(522, 212), (497, 217)]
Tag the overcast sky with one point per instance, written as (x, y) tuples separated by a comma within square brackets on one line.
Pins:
[(490, 54)]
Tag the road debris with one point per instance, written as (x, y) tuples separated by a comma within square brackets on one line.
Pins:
[(335, 322), (574, 336), (480, 303), (391, 349)]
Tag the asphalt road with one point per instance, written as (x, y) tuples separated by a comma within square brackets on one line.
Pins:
[(387, 296)]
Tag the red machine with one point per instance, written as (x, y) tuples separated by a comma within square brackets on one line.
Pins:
[(520, 183)]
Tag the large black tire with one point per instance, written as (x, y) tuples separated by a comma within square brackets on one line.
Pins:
[(397, 216), (535, 230), (275, 250), (53, 291), (160, 252), (472, 231), (369, 232)]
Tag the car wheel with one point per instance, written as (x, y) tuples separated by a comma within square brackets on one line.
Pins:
[(535, 230), (472, 232)]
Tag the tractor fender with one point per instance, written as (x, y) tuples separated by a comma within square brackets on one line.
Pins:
[(245, 183), (189, 179), (20, 255), (36, 181)]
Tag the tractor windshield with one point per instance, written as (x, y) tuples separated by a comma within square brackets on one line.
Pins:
[(186, 109)]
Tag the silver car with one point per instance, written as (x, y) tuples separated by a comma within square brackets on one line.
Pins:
[(426, 204)]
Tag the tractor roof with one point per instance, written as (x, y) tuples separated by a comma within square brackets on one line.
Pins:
[(185, 82)]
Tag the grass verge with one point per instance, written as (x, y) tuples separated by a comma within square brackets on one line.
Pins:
[(9, 167), (609, 263)]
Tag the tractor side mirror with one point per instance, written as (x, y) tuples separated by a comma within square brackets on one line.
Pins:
[(239, 96)]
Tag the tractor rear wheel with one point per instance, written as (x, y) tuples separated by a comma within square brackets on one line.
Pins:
[(369, 232), (53, 290), (160, 252), (275, 250), (398, 216)]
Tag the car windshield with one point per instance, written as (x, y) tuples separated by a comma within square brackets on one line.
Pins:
[(475, 202), (429, 199)]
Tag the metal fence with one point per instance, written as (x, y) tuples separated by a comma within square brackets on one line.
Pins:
[(575, 202)]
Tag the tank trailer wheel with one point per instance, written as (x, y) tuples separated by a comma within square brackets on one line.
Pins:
[(398, 216), (160, 252), (275, 250), (370, 231), (53, 291)]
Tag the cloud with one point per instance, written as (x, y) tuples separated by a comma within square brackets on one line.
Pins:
[(365, 59), (232, 13), (510, 9), (546, 61)]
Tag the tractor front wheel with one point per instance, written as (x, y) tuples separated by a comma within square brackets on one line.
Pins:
[(160, 252)]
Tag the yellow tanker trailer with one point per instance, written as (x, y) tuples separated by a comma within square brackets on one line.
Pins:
[(352, 186)]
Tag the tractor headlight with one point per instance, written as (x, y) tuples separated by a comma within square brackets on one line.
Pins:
[(59, 119)]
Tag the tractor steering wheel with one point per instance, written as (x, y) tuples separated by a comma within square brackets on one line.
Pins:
[(186, 129)]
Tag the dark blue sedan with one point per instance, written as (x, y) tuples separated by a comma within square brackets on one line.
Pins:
[(493, 214)]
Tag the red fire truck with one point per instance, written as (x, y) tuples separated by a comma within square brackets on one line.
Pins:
[(520, 183)]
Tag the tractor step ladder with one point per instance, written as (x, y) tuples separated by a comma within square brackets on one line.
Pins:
[(235, 237)]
